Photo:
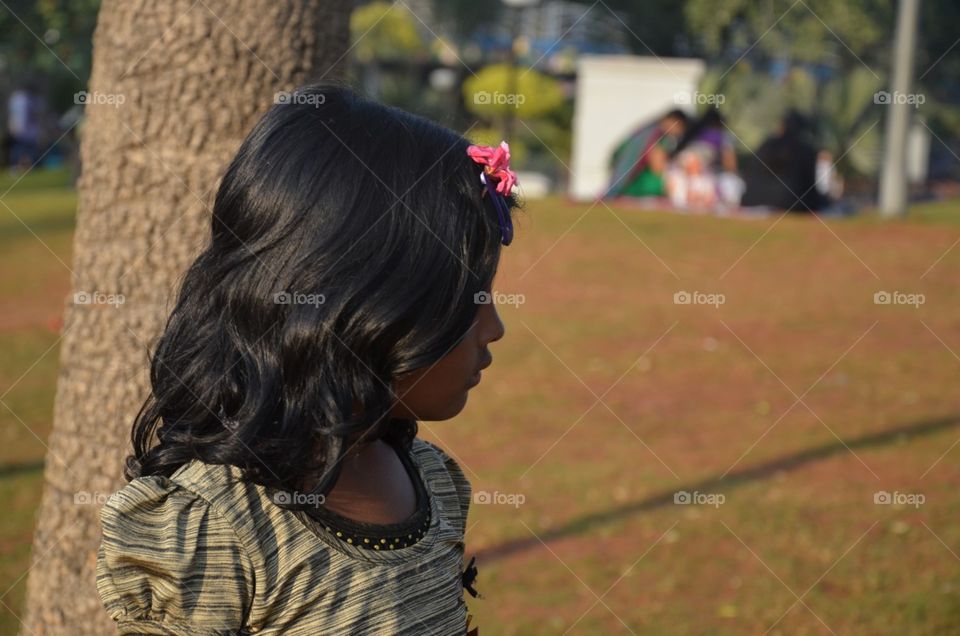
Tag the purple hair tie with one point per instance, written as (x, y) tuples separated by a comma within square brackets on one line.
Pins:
[(498, 181)]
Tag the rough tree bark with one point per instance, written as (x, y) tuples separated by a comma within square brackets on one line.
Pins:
[(192, 76)]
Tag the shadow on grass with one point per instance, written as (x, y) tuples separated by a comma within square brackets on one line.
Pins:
[(13, 470), (586, 523)]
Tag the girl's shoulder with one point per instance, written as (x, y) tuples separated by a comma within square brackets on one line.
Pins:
[(166, 502), (215, 490), (220, 491), (206, 550), (155, 534), (447, 477), (219, 499)]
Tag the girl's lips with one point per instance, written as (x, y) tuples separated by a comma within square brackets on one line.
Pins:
[(475, 378)]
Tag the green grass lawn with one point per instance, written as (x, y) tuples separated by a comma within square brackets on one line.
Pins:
[(796, 399), (36, 228)]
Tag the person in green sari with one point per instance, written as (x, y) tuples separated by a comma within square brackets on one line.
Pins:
[(640, 162)]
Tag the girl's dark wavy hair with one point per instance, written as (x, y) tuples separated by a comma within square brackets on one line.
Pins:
[(348, 241)]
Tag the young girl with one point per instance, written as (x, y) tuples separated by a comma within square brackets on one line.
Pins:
[(277, 484)]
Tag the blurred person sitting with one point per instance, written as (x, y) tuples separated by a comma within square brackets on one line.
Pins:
[(783, 175), (640, 162), (703, 173), (710, 133), (689, 184)]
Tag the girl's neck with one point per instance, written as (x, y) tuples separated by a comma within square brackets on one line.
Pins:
[(373, 486)]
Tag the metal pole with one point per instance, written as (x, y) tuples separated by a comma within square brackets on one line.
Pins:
[(893, 178)]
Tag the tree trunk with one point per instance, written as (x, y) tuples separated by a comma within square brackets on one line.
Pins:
[(175, 86)]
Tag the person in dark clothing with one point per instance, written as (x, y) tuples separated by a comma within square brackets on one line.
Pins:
[(783, 173)]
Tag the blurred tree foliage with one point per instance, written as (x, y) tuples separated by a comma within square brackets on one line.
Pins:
[(541, 139), (825, 59), (938, 64), (801, 31), (822, 58), (384, 31), (35, 33), (498, 91), (462, 18), (655, 27), (387, 43)]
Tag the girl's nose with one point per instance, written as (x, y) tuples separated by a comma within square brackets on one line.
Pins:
[(494, 328)]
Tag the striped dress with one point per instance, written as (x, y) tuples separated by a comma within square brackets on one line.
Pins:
[(207, 553)]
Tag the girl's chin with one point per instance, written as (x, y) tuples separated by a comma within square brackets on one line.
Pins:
[(456, 406), (474, 380), (449, 410)]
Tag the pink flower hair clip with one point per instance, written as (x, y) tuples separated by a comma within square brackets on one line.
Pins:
[(498, 180)]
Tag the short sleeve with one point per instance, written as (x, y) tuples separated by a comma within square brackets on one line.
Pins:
[(460, 482), (169, 564)]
